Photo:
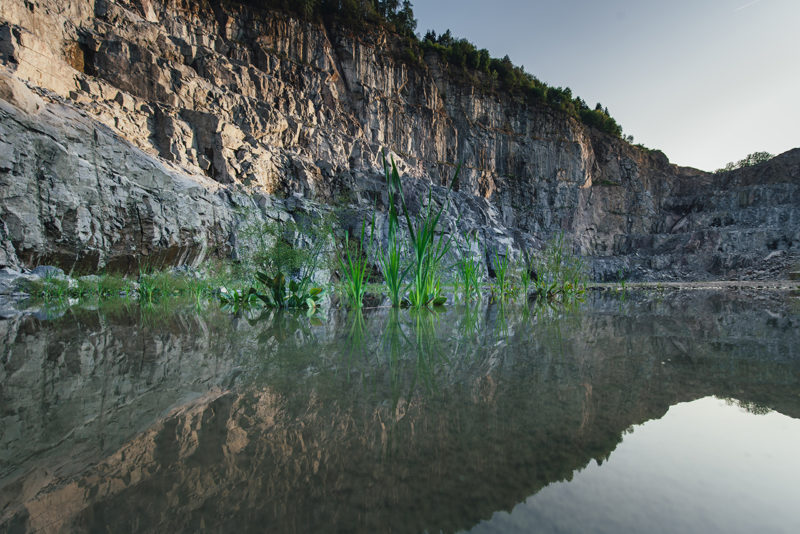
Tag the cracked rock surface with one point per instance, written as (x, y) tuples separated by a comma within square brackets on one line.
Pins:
[(136, 127)]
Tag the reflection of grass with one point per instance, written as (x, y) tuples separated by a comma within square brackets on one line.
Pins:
[(469, 321), (525, 270), (501, 324), (399, 357), (429, 354), (393, 343), (152, 314), (356, 332)]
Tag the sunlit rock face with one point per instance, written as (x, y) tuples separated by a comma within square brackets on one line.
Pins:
[(153, 111), (136, 422)]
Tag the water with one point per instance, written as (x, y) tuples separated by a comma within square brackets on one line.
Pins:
[(658, 413)]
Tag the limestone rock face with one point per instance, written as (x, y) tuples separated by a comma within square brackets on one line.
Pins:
[(227, 96), (77, 195)]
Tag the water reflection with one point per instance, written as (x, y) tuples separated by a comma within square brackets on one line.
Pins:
[(387, 421), (706, 466)]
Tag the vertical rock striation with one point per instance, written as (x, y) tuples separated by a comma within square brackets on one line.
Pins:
[(228, 97)]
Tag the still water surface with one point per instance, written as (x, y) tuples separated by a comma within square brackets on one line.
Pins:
[(658, 413)]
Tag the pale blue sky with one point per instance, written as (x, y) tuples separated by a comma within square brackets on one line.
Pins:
[(706, 81)]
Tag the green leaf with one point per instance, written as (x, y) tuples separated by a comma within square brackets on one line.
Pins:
[(263, 278), (279, 280), (314, 291)]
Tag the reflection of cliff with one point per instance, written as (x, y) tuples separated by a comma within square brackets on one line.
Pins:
[(81, 385), (309, 441)]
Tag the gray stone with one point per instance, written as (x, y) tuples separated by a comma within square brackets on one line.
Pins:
[(48, 271), (129, 130)]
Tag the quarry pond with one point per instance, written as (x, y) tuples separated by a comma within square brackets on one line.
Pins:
[(668, 411)]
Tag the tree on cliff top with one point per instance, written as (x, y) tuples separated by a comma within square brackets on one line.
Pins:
[(399, 16), (751, 159)]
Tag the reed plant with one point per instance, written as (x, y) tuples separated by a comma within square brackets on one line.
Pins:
[(147, 288), (355, 268), (52, 288), (468, 268), (560, 274), (501, 286), (427, 249), (109, 286), (526, 272), (391, 258)]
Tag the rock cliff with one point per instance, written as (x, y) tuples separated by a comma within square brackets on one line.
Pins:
[(136, 127)]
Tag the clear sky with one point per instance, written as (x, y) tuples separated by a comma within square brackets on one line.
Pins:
[(705, 81)]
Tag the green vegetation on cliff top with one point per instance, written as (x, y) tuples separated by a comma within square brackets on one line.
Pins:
[(751, 159), (461, 56)]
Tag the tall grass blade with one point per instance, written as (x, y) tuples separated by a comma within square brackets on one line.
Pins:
[(427, 251)]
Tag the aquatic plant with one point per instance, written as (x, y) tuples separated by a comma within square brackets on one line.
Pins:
[(149, 286), (294, 248), (273, 292), (235, 299), (623, 284), (52, 288), (468, 268), (109, 286), (390, 259), (155, 283), (275, 269), (281, 293), (527, 272), (559, 273), (146, 289), (199, 290), (355, 268), (427, 249), (501, 286)]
